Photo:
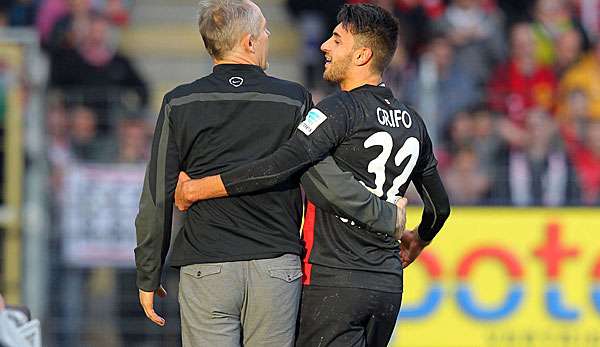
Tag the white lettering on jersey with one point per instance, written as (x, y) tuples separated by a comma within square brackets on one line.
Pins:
[(314, 118), (410, 149), (393, 118)]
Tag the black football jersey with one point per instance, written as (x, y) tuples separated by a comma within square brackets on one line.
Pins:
[(385, 145)]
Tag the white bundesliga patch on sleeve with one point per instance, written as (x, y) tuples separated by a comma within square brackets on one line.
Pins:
[(314, 118)]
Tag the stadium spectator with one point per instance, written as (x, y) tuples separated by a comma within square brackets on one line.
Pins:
[(97, 73), (395, 76), (486, 140), (439, 88), (552, 18), (466, 182), (577, 113), (476, 34), (582, 77), (540, 174), (477, 131), (86, 144), (568, 51), (59, 145), (60, 14), (521, 83), (415, 25), (315, 19), (69, 30), (588, 13), (460, 132), (585, 155), (133, 141)]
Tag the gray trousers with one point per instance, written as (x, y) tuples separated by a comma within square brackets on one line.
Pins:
[(242, 303)]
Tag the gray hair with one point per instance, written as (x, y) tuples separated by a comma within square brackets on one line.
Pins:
[(222, 24)]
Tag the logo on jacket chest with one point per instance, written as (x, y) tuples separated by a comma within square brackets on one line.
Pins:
[(236, 81)]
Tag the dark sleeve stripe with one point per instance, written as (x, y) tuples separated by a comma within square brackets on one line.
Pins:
[(162, 162), (248, 96), (150, 222)]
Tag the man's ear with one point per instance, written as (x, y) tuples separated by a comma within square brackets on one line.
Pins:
[(363, 56), (248, 43)]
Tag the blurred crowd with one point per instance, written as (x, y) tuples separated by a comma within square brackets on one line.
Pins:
[(97, 100), (96, 114), (510, 89)]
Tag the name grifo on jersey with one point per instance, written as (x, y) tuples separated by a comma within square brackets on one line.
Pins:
[(393, 118)]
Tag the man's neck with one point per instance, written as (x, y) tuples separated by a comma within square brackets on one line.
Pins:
[(352, 83), (234, 58)]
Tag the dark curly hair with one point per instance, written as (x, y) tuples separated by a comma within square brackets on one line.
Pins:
[(373, 27)]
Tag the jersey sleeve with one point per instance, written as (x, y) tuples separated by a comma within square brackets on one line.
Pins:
[(338, 192), (325, 126), (427, 181), (154, 219), (427, 161), (436, 207)]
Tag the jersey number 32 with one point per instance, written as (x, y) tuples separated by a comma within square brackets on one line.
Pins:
[(410, 149)]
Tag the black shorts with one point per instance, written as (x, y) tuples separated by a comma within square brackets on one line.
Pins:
[(347, 317)]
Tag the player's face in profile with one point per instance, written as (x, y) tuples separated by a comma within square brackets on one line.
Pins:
[(338, 51)]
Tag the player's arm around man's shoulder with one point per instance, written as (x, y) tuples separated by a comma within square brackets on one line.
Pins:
[(313, 140)]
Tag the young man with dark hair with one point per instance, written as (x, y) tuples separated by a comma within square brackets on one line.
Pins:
[(353, 280)]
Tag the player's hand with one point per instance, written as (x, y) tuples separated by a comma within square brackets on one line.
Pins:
[(147, 302), (411, 246), (181, 200), (400, 217)]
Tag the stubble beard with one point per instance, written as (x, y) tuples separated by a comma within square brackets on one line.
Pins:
[(336, 72)]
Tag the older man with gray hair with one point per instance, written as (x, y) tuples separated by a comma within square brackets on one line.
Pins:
[(238, 256)]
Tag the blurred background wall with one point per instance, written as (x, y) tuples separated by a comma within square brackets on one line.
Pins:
[(510, 92)]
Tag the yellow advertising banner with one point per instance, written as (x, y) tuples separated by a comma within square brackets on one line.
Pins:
[(505, 277)]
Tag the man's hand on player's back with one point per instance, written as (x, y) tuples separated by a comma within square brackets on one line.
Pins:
[(180, 197), (411, 246), (400, 217)]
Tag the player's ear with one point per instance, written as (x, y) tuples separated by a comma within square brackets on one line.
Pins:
[(248, 43), (363, 56)]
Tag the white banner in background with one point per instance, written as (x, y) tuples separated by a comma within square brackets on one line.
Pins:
[(100, 202)]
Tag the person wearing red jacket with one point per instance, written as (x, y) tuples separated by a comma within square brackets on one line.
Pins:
[(521, 84), (584, 153)]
